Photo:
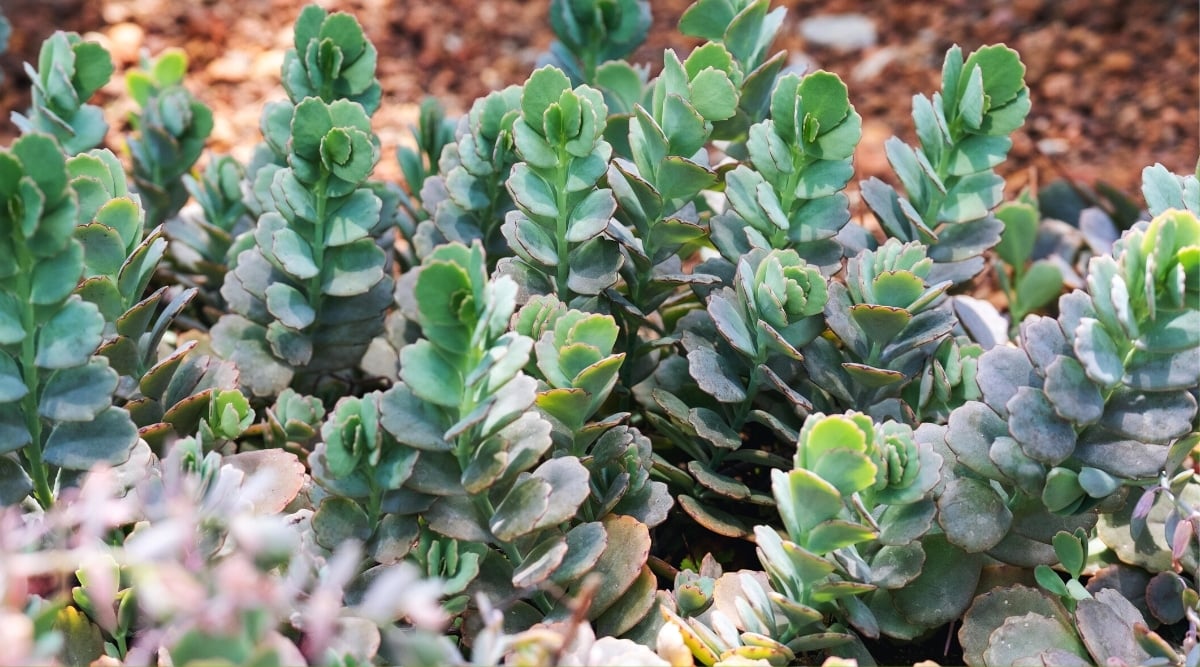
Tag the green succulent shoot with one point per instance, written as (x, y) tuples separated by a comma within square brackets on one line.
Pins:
[(591, 32), (574, 352), (332, 60), (889, 323), (792, 197), (949, 182), (69, 72), (880, 462), (172, 128), (558, 231), (774, 307), (466, 200), (57, 395), (314, 277)]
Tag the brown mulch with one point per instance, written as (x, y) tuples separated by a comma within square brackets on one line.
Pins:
[(1115, 83)]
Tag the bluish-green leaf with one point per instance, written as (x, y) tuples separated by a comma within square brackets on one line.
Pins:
[(70, 336), (972, 515), (78, 393), (80, 445)]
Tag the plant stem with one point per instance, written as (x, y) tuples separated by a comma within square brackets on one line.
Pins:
[(33, 423)]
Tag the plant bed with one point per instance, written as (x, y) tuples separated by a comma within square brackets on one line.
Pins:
[(620, 375)]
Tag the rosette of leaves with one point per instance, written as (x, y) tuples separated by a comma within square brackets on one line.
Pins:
[(294, 421), (746, 28), (949, 183), (947, 381), (315, 278), (332, 60), (791, 196), (69, 72), (171, 128), (575, 362), (848, 472), (357, 463), (481, 473), (656, 193), (1088, 402), (591, 32), (741, 366), (575, 359), (887, 323), (57, 393), (558, 232), (855, 482), (202, 241), (467, 199)]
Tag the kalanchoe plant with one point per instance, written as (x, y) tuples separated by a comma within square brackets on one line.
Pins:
[(792, 197), (887, 321), (202, 238), (161, 394), (69, 72), (949, 184), (481, 472), (1088, 403), (657, 190), (741, 366), (558, 232), (57, 393), (592, 32), (172, 126), (314, 279), (746, 28), (466, 200), (849, 473)]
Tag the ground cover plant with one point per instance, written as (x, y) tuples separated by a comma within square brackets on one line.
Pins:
[(620, 374)]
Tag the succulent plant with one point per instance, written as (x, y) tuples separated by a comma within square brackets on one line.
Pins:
[(466, 200), (848, 473), (202, 238), (887, 321), (456, 446), (740, 367), (591, 32), (69, 72), (746, 28), (791, 197), (558, 232), (58, 393), (657, 189), (172, 126), (314, 278), (949, 183), (1092, 400)]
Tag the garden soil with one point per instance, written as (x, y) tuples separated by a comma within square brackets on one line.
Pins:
[(1115, 83)]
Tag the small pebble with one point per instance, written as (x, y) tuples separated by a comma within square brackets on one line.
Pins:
[(847, 32)]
